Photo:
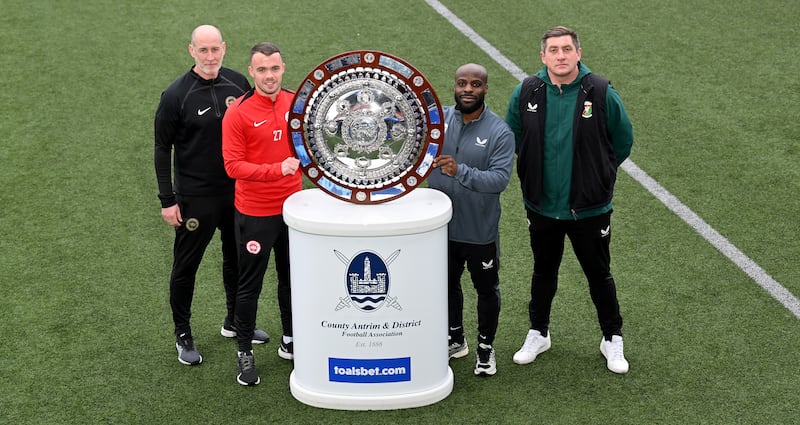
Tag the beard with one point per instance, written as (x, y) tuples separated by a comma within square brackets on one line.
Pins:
[(468, 109)]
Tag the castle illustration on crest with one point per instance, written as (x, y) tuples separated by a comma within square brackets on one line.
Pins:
[(365, 283)]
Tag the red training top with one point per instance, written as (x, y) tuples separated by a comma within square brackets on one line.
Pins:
[(255, 140)]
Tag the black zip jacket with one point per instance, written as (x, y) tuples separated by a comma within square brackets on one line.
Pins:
[(189, 120)]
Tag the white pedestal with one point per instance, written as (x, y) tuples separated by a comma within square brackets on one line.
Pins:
[(369, 300)]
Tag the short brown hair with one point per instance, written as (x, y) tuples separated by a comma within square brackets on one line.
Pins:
[(265, 48), (559, 31)]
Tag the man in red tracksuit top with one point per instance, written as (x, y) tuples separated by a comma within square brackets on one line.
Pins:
[(258, 155)]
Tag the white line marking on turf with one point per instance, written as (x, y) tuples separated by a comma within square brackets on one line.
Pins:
[(759, 275), (495, 54)]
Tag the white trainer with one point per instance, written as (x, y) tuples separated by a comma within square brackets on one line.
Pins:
[(613, 352), (534, 345)]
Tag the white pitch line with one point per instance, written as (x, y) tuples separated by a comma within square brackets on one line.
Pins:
[(495, 54), (758, 274)]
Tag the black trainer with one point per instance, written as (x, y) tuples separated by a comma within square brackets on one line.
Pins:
[(228, 330), (187, 354), (247, 373), (286, 350)]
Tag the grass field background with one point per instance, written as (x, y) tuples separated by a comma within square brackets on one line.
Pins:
[(711, 87)]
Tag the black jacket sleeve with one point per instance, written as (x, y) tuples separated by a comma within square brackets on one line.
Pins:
[(165, 126)]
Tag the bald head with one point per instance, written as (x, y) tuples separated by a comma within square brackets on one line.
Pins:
[(207, 49), (205, 32), (473, 70)]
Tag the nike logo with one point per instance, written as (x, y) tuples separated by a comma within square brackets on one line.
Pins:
[(487, 266), (533, 108), (480, 142), (258, 124), (605, 232), (203, 111)]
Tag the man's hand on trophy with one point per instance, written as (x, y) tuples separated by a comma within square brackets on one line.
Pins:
[(290, 165), (446, 164)]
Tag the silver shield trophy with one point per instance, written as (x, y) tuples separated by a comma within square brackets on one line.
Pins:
[(366, 126)]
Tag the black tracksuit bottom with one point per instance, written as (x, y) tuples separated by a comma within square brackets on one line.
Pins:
[(483, 264), (256, 237), (202, 216), (591, 240)]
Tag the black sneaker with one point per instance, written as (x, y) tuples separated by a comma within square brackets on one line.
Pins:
[(286, 350), (486, 363), (228, 330), (187, 354), (248, 375)]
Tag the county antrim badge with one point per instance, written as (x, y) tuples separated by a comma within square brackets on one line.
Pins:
[(367, 281)]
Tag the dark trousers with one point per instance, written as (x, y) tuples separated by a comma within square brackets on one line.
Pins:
[(202, 216), (483, 264), (256, 237), (591, 239)]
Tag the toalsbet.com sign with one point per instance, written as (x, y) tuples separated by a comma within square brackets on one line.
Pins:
[(369, 371)]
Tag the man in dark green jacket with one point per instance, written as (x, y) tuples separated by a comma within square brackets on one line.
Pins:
[(572, 132)]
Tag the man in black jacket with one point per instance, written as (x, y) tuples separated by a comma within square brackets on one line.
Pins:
[(198, 199)]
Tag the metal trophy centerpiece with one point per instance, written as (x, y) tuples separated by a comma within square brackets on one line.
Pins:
[(366, 126)]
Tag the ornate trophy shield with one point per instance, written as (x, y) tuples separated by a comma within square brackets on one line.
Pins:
[(366, 126)]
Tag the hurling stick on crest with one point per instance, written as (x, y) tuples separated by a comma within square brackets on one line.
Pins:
[(344, 302), (392, 301), (341, 257), (392, 257)]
